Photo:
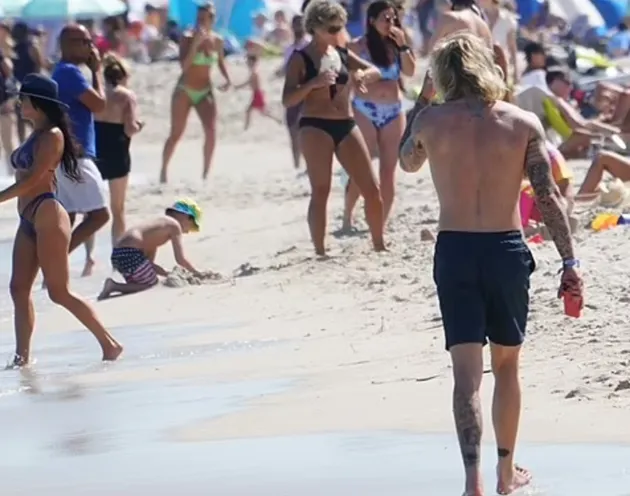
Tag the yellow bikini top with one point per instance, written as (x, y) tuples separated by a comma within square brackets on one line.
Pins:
[(202, 59)]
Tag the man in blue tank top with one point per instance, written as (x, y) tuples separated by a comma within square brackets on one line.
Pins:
[(83, 99)]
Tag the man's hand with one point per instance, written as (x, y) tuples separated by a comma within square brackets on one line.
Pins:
[(94, 60), (571, 283), (428, 90)]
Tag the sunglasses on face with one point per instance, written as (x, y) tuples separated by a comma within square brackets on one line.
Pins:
[(82, 41), (334, 29), (388, 19)]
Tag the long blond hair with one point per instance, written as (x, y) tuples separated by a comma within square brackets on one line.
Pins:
[(462, 66)]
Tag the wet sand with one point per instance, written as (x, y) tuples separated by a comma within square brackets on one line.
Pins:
[(73, 440)]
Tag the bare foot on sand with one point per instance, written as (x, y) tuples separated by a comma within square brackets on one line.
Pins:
[(473, 492), (88, 268), (509, 483), (112, 352), (380, 247), (108, 287)]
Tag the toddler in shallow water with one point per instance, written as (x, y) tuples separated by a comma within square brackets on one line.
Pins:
[(134, 252)]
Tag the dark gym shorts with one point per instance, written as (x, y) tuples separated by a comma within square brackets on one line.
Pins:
[(483, 286)]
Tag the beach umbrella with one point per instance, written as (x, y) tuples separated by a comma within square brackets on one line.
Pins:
[(11, 8), (71, 9)]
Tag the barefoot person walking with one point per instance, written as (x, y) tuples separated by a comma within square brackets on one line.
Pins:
[(84, 98), (114, 127), (379, 112), (43, 236), (319, 76), (482, 265), (199, 50), (292, 114)]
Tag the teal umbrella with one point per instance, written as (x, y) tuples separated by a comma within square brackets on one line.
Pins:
[(71, 9), (11, 8)]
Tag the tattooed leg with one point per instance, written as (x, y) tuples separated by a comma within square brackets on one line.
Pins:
[(468, 371), (506, 410)]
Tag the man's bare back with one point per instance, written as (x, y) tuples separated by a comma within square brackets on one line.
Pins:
[(477, 158), (467, 20), (479, 148)]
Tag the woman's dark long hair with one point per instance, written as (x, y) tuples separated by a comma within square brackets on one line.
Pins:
[(20, 32), (58, 117), (379, 48)]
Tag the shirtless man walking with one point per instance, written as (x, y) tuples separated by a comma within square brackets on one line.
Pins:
[(466, 15), (479, 147)]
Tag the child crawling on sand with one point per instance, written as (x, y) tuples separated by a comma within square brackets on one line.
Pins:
[(134, 252)]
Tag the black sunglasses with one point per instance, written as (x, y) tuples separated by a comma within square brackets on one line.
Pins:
[(334, 29), (83, 41)]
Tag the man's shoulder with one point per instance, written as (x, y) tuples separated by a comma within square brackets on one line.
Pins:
[(64, 70), (526, 120)]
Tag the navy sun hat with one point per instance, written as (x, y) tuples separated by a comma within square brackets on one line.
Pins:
[(39, 86)]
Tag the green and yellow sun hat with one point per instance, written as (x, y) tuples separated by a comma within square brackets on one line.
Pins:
[(188, 207)]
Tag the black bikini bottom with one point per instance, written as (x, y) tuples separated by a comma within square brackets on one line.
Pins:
[(28, 225), (337, 129)]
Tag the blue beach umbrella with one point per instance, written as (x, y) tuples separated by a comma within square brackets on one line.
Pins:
[(71, 9)]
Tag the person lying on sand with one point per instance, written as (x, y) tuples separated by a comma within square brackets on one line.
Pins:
[(134, 253)]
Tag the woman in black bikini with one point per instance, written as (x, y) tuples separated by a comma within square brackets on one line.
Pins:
[(114, 126), (43, 236), (319, 76)]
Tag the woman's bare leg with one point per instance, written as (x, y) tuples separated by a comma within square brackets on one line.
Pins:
[(622, 108), (22, 278), (318, 149), (207, 112), (613, 163), (352, 193), (576, 145), (117, 195), (180, 108), (353, 155), (53, 240), (388, 140)]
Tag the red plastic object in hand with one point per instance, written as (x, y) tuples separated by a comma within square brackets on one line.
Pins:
[(572, 305)]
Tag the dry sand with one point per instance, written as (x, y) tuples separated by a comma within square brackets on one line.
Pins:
[(359, 333)]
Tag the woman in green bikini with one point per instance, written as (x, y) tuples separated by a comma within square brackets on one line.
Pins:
[(199, 51)]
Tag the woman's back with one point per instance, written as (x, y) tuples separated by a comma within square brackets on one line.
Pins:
[(117, 102)]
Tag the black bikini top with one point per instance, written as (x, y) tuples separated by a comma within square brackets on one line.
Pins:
[(312, 72)]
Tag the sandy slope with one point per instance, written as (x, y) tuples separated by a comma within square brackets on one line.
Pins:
[(360, 333)]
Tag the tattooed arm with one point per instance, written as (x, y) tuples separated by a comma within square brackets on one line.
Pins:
[(548, 198), (411, 153)]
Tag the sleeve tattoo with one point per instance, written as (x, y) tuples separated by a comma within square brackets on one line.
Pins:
[(548, 200)]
